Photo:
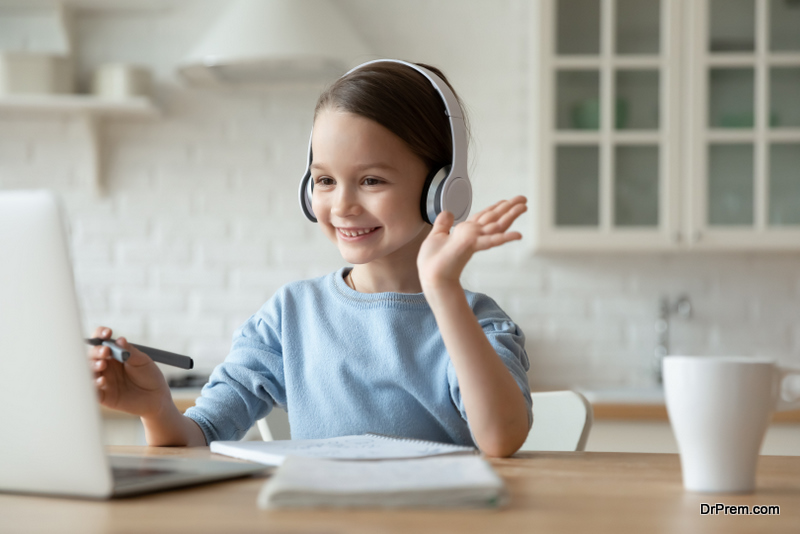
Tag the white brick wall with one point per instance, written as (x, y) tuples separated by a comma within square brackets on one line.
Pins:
[(200, 222)]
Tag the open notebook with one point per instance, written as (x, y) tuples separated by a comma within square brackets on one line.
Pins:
[(363, 447)]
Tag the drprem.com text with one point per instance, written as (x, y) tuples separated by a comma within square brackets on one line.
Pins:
[(743, 509)]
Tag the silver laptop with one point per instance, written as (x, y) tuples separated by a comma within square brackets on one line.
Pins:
[(51, 438)]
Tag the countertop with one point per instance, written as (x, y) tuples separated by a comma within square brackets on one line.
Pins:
[(650, 408)]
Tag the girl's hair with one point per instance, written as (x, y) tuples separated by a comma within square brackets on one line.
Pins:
[(401, 100)]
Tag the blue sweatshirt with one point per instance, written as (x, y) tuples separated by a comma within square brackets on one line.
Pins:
[(342, 362)]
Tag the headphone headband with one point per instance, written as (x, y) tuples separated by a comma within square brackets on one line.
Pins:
[(452, 107), (447, 188)]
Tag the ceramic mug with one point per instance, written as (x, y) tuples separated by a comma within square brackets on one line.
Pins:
[(121, 81), (719, 408)]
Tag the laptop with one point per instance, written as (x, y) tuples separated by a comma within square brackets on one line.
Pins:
[(51, 438)]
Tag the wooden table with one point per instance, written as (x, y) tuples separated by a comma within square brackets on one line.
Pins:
[(550, 492)]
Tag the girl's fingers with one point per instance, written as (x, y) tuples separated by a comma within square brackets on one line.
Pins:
[(100, 353), (492, 213), (511, 215), (443, 223), (498, 210), (505, 221), (102, 332), (485, 242), (495, 211), (476, 217)]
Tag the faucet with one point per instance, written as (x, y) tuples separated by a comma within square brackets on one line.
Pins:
[(682, 307)]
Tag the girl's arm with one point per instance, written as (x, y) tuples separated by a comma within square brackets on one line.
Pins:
[(497, 411), (171, 428)]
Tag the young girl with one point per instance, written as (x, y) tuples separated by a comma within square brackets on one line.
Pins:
[(393, 345)]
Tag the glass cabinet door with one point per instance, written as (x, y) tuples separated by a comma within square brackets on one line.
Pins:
[(578, 27), (577, 186), (784, 184), (608, 63), (783, 79), (750, 65)]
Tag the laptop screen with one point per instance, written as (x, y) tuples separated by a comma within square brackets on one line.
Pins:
[(50, 422)]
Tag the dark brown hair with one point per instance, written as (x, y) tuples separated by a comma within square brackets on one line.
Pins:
[(401, 100)]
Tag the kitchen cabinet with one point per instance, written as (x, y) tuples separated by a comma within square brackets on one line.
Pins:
[(667, 125)]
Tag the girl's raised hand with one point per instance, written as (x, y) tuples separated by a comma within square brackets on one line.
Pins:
[(445, 252), (136, 387)]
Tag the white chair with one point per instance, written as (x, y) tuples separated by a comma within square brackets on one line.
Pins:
[(274, 426), (561, 422)]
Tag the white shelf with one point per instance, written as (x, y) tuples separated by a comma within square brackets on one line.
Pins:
[(79, 105), (89, 113), (100, 5)]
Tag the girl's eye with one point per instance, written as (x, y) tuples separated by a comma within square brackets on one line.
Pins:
[(371, 181), (324, 180)]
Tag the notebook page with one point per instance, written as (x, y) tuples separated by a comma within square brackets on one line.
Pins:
[(365, 447)]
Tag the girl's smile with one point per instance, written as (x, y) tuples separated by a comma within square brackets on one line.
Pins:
[(354, 234)]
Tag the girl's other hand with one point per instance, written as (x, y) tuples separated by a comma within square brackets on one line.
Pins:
[(445, 252), (137, 386)]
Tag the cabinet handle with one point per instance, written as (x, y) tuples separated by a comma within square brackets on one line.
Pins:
[(677, 236), (697, 235)]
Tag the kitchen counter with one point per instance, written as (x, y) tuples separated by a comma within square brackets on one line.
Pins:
[(606, 406), (658, 412), (636, 420), (645, 404)]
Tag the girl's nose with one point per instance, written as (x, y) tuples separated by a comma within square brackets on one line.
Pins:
[(345, 203)]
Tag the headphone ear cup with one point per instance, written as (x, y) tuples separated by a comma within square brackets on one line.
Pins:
[(306, 190), (431, 201)]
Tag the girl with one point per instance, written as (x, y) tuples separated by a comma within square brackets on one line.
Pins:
[(393, 345)]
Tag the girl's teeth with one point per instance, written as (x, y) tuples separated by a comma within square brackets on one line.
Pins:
[(355, 234)]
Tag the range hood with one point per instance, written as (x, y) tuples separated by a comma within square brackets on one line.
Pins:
[(263, 41)]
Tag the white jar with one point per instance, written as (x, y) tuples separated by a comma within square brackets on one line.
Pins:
[(121, 81)]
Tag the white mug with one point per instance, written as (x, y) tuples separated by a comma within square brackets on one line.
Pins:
[(121, 81), (719, 408)]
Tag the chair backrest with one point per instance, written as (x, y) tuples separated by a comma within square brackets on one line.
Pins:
[(275, 426), (561, 422)]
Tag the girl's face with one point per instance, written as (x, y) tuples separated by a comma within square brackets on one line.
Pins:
[(367, 188)]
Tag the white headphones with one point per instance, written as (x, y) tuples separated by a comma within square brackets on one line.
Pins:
[(447, 188)]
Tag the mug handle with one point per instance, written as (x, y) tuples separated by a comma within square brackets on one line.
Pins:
[(784, 404)]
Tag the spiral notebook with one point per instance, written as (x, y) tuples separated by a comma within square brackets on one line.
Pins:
[(466, 481), (362, 447)]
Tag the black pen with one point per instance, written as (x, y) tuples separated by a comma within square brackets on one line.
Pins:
[(157, 355)]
